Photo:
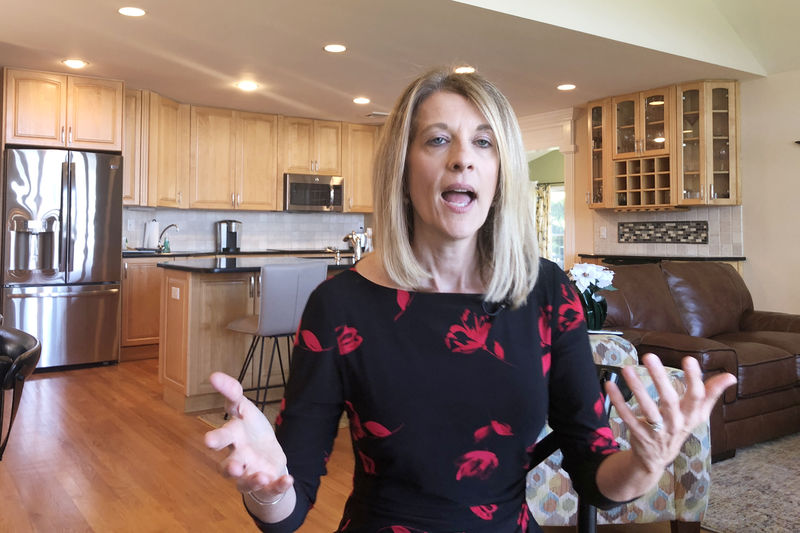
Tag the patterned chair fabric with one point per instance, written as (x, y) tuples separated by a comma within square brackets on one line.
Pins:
[(682, 492)]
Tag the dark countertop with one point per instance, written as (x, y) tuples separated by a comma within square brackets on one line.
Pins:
[(638, 259), (153, 253), (221, 265)]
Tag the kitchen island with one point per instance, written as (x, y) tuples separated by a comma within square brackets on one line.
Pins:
[(199, 298)]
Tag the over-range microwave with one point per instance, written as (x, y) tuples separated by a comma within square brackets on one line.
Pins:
[(309, 192)]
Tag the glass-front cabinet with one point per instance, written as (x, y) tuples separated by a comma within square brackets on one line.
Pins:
[(642, 123), (707, 155), (599, 162)]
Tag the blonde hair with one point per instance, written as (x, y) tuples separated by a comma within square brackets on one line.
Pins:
[(507, 250)]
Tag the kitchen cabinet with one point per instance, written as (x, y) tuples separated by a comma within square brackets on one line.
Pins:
[(167, 152), (57, 110), (642, 123), (707, 154), (359, 142), (643, 183), (195, 310), (134, 155), (310, 146), (141, 303), (233, 159), (599, 125)]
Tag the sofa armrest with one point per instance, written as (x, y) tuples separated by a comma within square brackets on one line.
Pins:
[(770, 321), (713, 356), (613, 350)]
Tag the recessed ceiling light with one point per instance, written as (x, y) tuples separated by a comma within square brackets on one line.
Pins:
[(361, 100), (566, 87), (335, 48), (659, 140), (464, 70), (247, 85), (131, 11), (655, 102), (75, 63)]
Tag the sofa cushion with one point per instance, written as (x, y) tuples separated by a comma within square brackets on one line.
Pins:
[(642, 300), (762, 367), (711, 297)]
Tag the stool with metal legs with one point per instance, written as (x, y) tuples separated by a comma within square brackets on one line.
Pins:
[(19, 354), (285, 288)]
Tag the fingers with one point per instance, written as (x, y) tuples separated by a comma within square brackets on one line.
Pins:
[(273, 482), (229, 387)]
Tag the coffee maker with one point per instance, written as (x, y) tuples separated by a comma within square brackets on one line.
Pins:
[(228, 232)]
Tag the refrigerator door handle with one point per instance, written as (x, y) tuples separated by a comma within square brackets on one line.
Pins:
[(62, 250), (72, 192), (55, 294)]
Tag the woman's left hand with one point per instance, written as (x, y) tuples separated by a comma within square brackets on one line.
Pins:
[(657, 436)]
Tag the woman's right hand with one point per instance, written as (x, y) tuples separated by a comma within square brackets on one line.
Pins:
[(256, 461)]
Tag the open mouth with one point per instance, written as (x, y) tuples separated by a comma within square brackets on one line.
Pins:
[(459, 197)]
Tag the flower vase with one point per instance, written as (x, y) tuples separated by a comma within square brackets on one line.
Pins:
[(595, 311)]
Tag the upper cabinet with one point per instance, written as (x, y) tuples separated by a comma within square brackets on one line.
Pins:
[(706, 159), (56, 110), (599, 134), (310, 146), (641, 123), (664, 148), (167, 152), (358, 147), (134, 180), (233, 159)]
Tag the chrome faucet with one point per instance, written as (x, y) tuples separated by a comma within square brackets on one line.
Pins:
[(160, 246), (356, 241)]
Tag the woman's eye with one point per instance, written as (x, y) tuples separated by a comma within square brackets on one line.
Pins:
[(483, 143), (437, 141)]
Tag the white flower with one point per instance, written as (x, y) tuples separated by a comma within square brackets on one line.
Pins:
[(585, 274)]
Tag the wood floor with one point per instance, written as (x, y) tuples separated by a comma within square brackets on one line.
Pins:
[(96, 449)]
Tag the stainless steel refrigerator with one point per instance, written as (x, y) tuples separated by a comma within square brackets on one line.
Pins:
[(62, 252)]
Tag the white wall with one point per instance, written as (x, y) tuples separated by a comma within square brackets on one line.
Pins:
[(770, 169)]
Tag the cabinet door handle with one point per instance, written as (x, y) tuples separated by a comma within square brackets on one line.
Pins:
[(70, 135), (62, 133), (238, 200), (710, 191), (125, 269), (252, 286), (233, 200)]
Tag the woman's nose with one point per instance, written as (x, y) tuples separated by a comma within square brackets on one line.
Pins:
[(460, 157)]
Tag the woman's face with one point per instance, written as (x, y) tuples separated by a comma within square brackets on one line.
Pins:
[(452, 169)]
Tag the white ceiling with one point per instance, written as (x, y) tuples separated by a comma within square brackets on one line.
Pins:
[(194, 50)]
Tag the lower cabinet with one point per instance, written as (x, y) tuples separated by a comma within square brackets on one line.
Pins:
[(195, 310), (141, 301)]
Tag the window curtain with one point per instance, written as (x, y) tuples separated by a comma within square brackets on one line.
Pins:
[(542, 192)]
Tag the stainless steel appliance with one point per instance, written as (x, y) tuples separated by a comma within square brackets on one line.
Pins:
[(228, 232), (309, 192), (62, 252)]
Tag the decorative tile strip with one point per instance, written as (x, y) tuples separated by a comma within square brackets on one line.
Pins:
[(684, 232)]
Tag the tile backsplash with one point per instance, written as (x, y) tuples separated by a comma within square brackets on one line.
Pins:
[(260, 230), (722, 238)]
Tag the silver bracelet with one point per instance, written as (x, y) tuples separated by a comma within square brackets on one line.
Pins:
[(276, 500)]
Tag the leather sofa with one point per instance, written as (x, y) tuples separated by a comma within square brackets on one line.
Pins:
[(704, 309)]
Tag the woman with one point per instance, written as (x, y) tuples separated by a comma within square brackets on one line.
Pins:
[(448, 347)]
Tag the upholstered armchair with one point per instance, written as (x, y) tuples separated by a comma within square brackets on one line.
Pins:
[(681, 496)]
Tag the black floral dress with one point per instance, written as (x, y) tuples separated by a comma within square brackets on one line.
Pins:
[(446, 396)]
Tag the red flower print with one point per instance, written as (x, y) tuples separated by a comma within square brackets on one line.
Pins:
[(307, 340), (499, 428), (598, 406), (477, 463), (348, 339), (570, 313), (378, 430), (470, 336), (524, 517), (484, 512), (545, 333), (545, 363), (279, 418), (367, 463), (401, 529), (355, 422), (604, 441), (403, 300)]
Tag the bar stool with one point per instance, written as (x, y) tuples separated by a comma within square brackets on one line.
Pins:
[(285, 288), (19, 355)]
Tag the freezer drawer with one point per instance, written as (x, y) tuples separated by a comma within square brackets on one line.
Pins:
[(74, 324)]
